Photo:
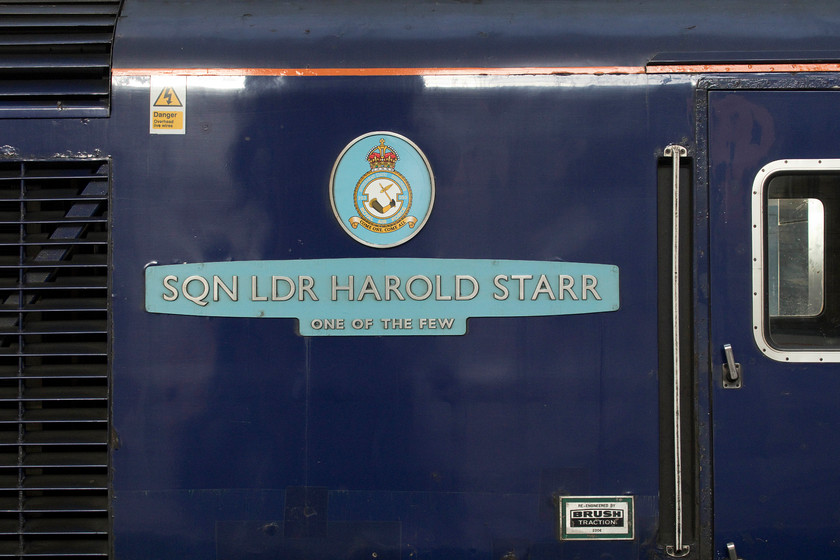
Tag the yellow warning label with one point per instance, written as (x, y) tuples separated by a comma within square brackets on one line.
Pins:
[(167, 104), (168, 98), (167, 120)]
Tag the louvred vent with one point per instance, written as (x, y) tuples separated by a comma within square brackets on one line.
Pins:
[(54, 368), (55, 57)]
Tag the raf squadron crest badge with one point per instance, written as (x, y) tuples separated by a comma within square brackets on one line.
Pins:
[(382, 189)]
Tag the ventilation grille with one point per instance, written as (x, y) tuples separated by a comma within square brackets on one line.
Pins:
[(54, 323), (55, 57)]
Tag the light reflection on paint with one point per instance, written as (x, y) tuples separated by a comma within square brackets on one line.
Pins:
[(222, 83), (558, 81), (226, 83)]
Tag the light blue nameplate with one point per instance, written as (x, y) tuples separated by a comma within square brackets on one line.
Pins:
[(374, 297)]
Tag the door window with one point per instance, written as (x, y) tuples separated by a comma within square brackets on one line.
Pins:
[(796, 271)]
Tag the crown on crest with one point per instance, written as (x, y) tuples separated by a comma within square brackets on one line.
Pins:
[(382, 156)]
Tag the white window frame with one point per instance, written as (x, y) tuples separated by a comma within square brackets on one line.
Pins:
[(760, 321)]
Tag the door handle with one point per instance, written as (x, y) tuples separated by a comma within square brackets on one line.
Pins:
[(731, 370), (730, 548)]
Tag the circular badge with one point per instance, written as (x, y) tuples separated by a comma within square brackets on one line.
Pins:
[(382, 189)]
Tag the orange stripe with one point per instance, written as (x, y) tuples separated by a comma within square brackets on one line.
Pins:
[(512, 71), (541, 71)]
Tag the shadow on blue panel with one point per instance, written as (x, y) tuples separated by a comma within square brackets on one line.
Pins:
[(240, 540)]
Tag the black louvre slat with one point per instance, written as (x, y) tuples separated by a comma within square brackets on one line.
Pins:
[(18, 238), (53, 415), (55, 302), (37, 240), (54, 371), (58, 327), (74, 503), (56, 482), (55, 58), (51, 526), (85, 459), (39, 170), (48, 218), (64, 394), (55, 172), (47, 20), (58, 305), (41, 39), (43, 187), (48, 60), (55, 265), (57, 350), (54, 352), (58, 2), (53, 89), (63, 548), (49, 483), (55, 194), (48, 438), (79, 100), (74, 283), (57, 9), (34, 108)]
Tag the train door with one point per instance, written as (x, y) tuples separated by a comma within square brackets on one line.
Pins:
[(774, 196)]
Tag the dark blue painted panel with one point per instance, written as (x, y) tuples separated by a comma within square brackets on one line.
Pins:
[(461, 440), (774, 455), (266, 34)]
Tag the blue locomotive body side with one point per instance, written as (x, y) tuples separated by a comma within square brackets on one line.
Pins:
[(405, 280)]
